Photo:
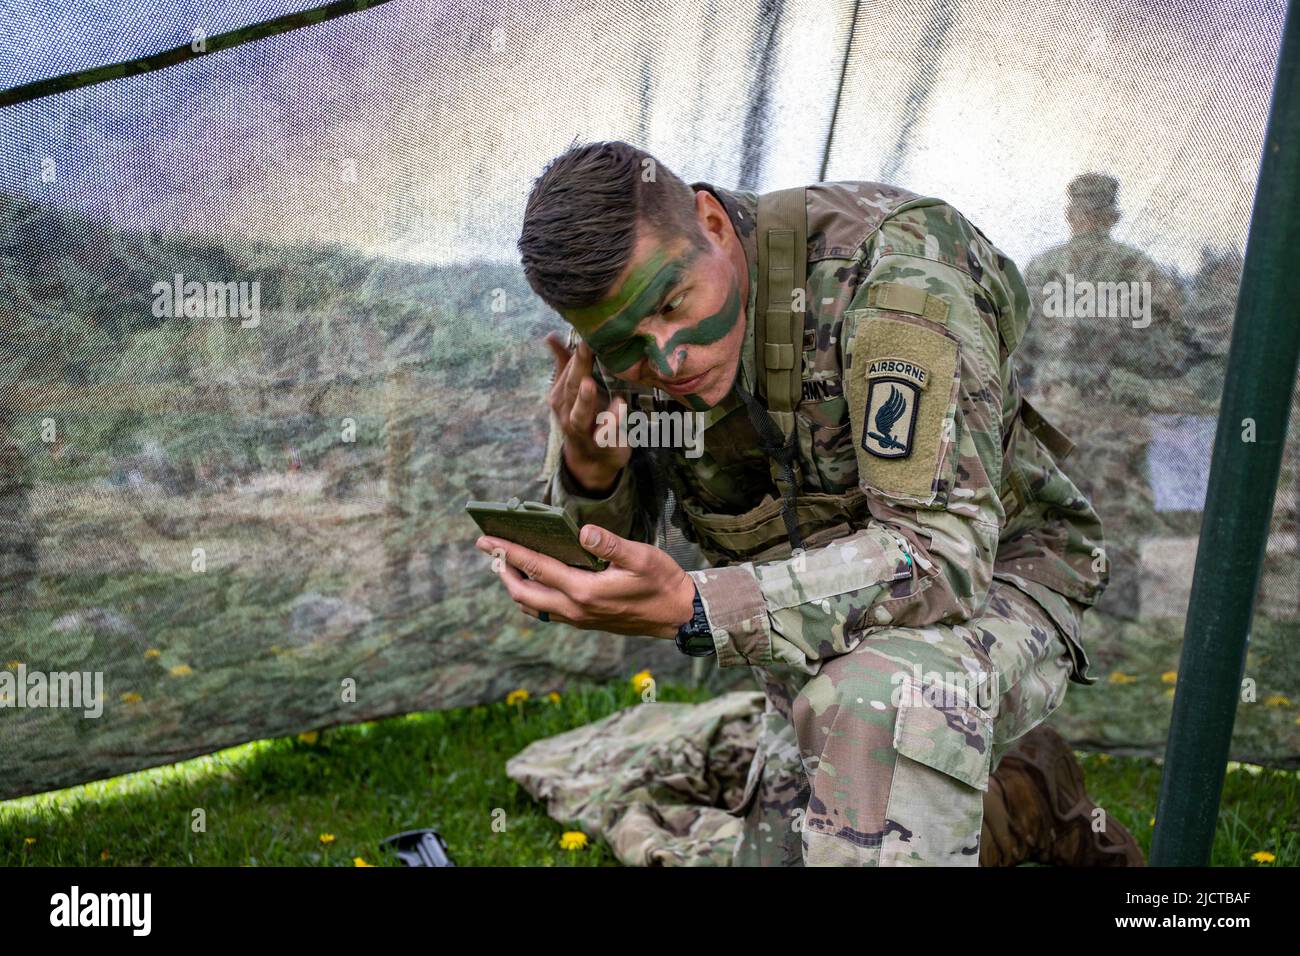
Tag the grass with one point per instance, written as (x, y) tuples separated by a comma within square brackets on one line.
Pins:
[(267, 803), (1259, 811)]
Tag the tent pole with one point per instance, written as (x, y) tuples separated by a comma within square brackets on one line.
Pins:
[(1244, 470), (839, 90), (165, 58)]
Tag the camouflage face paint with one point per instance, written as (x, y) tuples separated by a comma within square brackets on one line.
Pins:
[(706, 331), (711, 329), (610, 327), (606, 326)]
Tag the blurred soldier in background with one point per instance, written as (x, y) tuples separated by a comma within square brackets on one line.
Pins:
[(1106, 348), (1211, 306)]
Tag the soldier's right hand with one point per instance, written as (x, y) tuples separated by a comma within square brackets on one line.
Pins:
[(575, 401)]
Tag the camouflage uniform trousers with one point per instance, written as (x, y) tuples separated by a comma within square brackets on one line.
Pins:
[(864, 765)]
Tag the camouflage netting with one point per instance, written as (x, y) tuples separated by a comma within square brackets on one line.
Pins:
[(230, 516)]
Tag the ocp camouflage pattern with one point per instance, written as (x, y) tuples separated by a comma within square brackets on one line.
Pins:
[(907, 564), (977, 558)]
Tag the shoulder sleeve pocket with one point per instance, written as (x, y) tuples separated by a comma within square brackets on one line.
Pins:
[(902, 387), (938, 726)]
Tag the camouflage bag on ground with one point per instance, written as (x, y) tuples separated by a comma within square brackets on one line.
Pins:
[(658, 782)]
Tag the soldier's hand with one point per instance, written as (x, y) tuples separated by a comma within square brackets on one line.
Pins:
[(576, 401), (643, 591)]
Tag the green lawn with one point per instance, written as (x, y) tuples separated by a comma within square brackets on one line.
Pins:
[(269, 802)]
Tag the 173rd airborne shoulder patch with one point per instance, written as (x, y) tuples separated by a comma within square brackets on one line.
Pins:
[(894, 387), (902, 390)]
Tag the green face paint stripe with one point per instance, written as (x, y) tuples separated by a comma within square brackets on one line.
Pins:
[(650, 284), (705, 332), (622, 358), (622, 326), (647, 301), (592, 315)]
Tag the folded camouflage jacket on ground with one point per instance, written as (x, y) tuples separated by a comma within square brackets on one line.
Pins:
[(655, 781)]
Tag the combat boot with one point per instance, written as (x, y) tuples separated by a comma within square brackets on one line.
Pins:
[(1037, 810)]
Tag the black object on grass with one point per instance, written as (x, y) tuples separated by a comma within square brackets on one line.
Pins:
[(419, 848)]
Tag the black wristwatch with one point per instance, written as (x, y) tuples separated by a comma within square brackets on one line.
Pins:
[(695, 637)]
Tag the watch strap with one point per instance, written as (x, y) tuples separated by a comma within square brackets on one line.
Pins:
[(695, 637)]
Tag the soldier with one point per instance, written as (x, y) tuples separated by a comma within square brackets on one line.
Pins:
[(1210, 309), (894, 550), (1106, 347)]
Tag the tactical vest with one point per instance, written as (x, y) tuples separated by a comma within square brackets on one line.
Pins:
[(792, 518)]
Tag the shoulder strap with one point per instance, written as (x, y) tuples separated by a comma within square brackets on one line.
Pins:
[(778, 333), (778, 341), (1057, 442)]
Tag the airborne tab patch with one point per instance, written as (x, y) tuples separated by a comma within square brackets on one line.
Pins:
[(892, 404), (900, 367)]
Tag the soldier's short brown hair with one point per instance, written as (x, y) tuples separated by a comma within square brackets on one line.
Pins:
[(580, 223)]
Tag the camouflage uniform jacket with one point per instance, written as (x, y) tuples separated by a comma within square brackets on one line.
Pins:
[(891, 540), (1112, 358)]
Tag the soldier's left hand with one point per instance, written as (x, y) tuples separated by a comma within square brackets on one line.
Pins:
[(643, 591)]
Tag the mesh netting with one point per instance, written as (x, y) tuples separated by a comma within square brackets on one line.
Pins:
[(236, 517)]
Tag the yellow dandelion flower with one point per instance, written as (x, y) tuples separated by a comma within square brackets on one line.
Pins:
[(1170, 677), (1277, 700), (1169, 692), (573, 840), (130, 697), (357, 861), (327, 838), (640, 679), (1153, 822), (1119, 677), (14, 665), (103, 854), (152, 653), (517, 697), (1263, 856), (29, 840), (1104, 758), (309, 736), (180, 670), (553, 697)]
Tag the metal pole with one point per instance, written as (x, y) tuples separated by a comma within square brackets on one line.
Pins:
[(839, 90), (1243, 481)]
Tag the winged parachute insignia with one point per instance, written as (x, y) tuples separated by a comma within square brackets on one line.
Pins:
[(886, 416)]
